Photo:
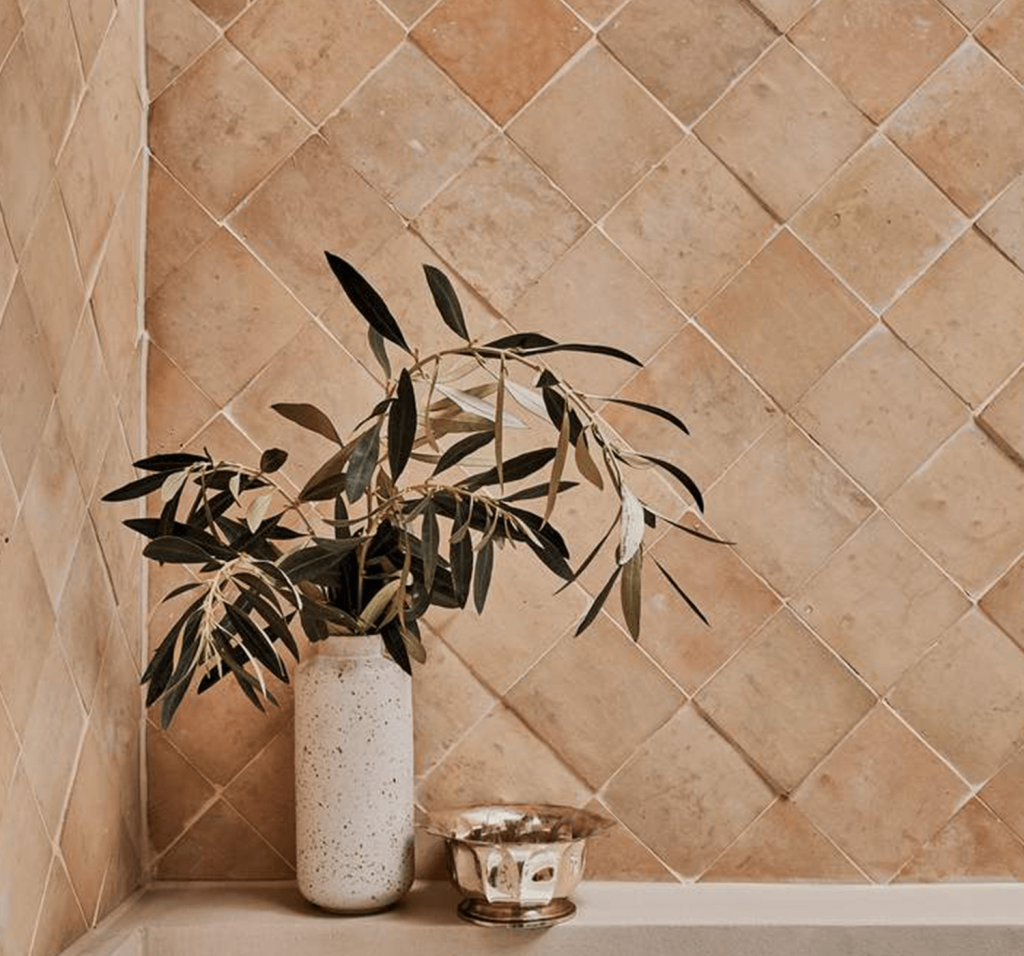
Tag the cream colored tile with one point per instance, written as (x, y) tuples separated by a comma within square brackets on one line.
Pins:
[(408, 11), (1003, 223), (970, 11), (222, 12), (1002, 33), (1004, 793), (60, 921), (616, 854), (10, 25), (53, 52), (783, 13), (9, 753), (785, 318), (8, 508), (594, 11), (8, 264), (1003, 602), (176, 34), (124, 874), (966, 509), (878, 222), (690, 225), (175, 408), (91, 19)]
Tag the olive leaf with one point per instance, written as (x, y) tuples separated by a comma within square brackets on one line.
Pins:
[(463, 449), (632, 522), (379, 350), (363, 462), (478, 406), (630, 590), (446, 300), (365, 298), (557, 466), (401, 425), (598, 602), (585, 463), (671, 580), (309, 417), (272, 460), (482, 578)]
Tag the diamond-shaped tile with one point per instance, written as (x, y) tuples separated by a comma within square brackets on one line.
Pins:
[(222, 127), (787, 507), (616, 854), (501, 223), (175, 408), (329, 207), (1003, 223), (781, 846), (783, 129), (408, 130), (759, 700), (1003, 417), (595, 11), (684, 51), (966, 509), (785, 318), (316, 52), (500, 54), (965, 697), (8, 266), (879, 603), (1004, 602), (1004, 793), (171, 807), (880, 794), (1002, 33), (10, 25), (595, 131), (176, 34), (53, 51), (963, 317), (877, 51), (690, 224), (965, 128), (91, 19), (222, 12), (176, 225), (880, 412), (878, 222), (222, 316), (687, 794), (8, 507), (408, 11), (971, 12), (570, 698), (60, 919)]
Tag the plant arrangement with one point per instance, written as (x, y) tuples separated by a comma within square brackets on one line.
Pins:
[(398, 547)]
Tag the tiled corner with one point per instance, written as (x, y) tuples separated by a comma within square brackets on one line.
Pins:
[(1003, 793), (1002, 602), (1003, 417), (176, 34), (617, 854), (783, 13), (1002, 34), (1003, 222), (970, 12)]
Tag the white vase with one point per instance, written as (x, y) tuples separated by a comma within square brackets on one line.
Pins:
[(353, 777)]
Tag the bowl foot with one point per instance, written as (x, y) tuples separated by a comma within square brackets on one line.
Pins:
[(513, 914)]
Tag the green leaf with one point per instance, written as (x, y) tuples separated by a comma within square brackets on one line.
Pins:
[(401, 425), (595, 607), (681, 476), (391, 634), (379, 350), (460, 555), (463, 448), (309, 417), (539, 491), (309, 563), (446, 300), (655, 410), (693, 607), (363, 462), (173, 550), (606, 350), (430, 544), (256, 642), (515, 469), (585, 463), (482, 579), (176, 461), (521, 340), (630, 592), (138, 488), (272, 460), (365, 298), (334, 466)]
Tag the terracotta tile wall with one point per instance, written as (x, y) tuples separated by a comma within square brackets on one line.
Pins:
[(807, 218), (72, 196)]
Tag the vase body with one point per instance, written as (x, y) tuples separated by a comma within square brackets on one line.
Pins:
[(353, 777)]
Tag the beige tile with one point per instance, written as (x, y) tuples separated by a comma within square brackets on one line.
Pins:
[(10, 25), (594, 11), (881, 794), (501, 223), (175, 408), (687, 794), (1003, 223), (1003, 602), (8, 264), (329, 207), (484, 767), (966, 509), (408, 11), (176, 34), (963, 317), (785, 318), (973, 846), (880, 412), (759, 700), (783, 129), (8, 508), (501, 55), (222, 12), (970, 11), (123, 876), (782, 846), (222, 127), (53, 52), (878, 222), (877, 51), (684, 51), (222, 316), (1002, 33), (408, 130), (1004, 793), (965, 128), (595, 131), (616, 854), (91, 19), (690, 225), (879, 603), (118, 548), (787, 507), (60, 921), (9, 753), (570, 698), (221, 845), (783, 13), (316, 53), (175, 227), (595, 294), (964, 697)]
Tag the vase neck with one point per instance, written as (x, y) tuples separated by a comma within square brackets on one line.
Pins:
[(351, 645)]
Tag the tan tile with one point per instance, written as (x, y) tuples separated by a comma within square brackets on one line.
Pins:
[(316, 53), (222, 846), (501, 55), (222, 12), (878, 222), (759, 700), (595, 131), (782, 846), (970, 11), (966, 509), (594, 11), (175, 409), (53, 51), (222, 127), (222, 316), (175, 227), (176, 34), (684, 51), (881, 794), (973, 846), (690, 225), (783, 13), (1003, 223), (785, 318), (10, 25), (976, 354), (787, 507), (687, 794), (26, 390), (1002, 33), (60, 921), (965, 128), (880, 412), (501, 223), (329, 207), (9, 753), (91, 19), (123, 876), (595, 294), (8, 507), (616, 854), (484, 767), (783, 129), (1004, 793), (964, 697), (408, 11), (1003, 602), (26, 154), (570, 699), (118, 548), (8, 264)]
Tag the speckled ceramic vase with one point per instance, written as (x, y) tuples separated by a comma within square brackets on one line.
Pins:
[(353, 777)]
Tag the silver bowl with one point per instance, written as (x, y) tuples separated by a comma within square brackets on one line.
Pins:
[(518, 864)]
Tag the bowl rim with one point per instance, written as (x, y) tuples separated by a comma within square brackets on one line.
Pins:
[(433, 824)]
